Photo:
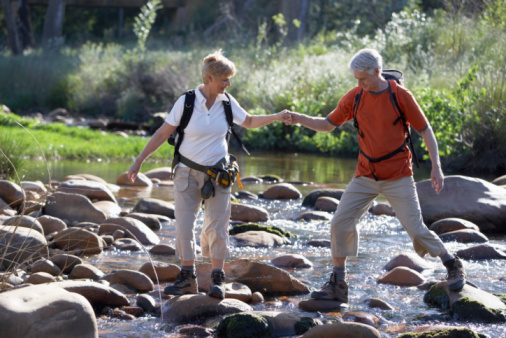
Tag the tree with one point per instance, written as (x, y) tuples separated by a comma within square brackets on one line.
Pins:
[(53, 24), (12, 32)]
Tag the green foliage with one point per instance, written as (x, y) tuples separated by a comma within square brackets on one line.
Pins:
[(14, 154), (144, 22)]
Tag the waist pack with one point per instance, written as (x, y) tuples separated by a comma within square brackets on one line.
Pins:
[(224, 173)]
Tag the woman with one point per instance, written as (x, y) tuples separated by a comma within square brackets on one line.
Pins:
[(205, 144)]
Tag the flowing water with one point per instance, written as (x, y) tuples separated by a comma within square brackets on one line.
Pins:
[(382, 238)]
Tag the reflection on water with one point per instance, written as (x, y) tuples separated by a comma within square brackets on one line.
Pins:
[(381, 239)]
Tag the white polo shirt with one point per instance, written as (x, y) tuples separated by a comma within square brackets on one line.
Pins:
[(204, 138)]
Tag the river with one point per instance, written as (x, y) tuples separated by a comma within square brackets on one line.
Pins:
[(382, 238)]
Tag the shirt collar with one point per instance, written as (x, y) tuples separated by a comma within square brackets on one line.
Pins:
[(201, 98)]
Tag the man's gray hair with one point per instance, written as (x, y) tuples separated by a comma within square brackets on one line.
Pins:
[(366, 59)]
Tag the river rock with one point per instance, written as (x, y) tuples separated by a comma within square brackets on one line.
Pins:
[(472, 199), (163, 250), (401, 276), (136, 279), (154, 206), (464, 236), (441, 331), (256, 298), (22, 245), (73, 208), (146, 302), (160, 272), (133, 229), (46, 311), (382, 208), (35, 186), (51, 224), (197, 308), (283, 324), (344, 329), (251, 180), (163, 173), (244, 325), (150, 220), (127, 244), (140, 181), (11, 193), (282, 191), (87, 177), (79, 239), (482, 251), (292, 261), (246, 195), (470, 303), (248, 213), (452, 224), (409, 260), (109, 208), (93, 190), (324, 243), (313, 216), (378, 303), (317, 305), (43, 265), (238, 291), (501, 180), (5, 210), (258, 239), (258, 276), (40, 278), (96, 293), (25, 222), (86, 271), (325, 203), (66, 262), (310, 200)]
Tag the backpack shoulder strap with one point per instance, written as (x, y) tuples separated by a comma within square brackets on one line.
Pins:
[(227, 105), (358, 96), (189, 102)]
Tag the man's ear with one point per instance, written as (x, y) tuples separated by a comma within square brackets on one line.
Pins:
[(376, 71)]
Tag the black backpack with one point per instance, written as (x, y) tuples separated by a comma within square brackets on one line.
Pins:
[(395, 75), (177, 137)]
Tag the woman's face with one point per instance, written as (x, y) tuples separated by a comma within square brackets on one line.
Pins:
[(219, 83)]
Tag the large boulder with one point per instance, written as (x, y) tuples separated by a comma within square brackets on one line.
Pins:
[(93, 190), (73, 208), (248, 213), (133, 229), (21, 244), (472, 199), (258, 276), (154, 206), (197, 308), (46, 311)]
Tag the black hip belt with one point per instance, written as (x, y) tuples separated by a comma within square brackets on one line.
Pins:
[(382, 158)]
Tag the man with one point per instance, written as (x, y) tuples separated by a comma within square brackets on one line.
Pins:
[(384, 167)]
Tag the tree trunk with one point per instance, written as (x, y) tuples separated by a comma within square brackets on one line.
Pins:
[(25, 25), (53, 24), (12, 31)]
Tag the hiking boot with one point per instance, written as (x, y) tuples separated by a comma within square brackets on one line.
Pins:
[(217, 289), (456, 278), (186, 283), (333, 290)]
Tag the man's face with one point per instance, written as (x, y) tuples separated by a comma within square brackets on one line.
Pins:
[(367, 80)]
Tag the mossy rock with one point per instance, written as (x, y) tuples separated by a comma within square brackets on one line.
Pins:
[(240, 228), (447, 333), (437, 296), (304, 325), (472, 310), (244, 325), (501, 297)]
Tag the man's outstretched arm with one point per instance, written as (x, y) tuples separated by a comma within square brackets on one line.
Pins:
[(312, 122)]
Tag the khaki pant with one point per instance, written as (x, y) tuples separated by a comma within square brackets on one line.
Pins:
[(187, 202), (357, 200)]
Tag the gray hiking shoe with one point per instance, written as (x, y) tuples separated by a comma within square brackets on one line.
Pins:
[(456, 278), (333, 290), (217, 289), (186, 283)]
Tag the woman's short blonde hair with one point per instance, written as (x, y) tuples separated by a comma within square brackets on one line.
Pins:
[(216, 64)]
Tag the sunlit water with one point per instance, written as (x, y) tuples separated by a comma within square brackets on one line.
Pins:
[(382, 238)]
